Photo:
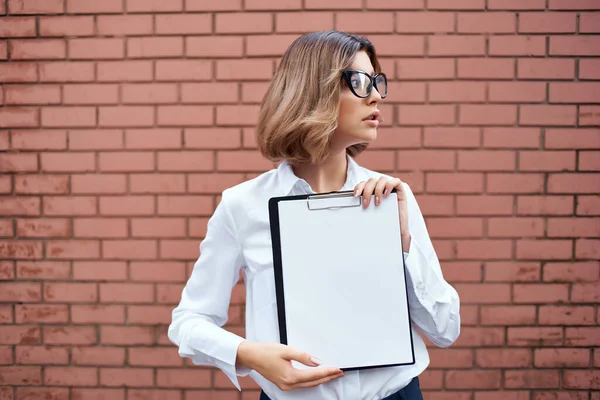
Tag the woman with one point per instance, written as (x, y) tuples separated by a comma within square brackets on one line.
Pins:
[(320, 111)]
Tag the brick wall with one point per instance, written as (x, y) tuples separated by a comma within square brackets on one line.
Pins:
[(122, 121)]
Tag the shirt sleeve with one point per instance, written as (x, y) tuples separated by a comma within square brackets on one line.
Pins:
[(196, 326), (434, 304)]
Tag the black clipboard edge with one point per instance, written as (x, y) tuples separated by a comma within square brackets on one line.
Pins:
[(278, 274)]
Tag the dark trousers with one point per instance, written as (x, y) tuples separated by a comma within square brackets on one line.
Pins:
[(412, 391)]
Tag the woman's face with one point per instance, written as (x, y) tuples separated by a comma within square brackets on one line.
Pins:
[(355, 120)]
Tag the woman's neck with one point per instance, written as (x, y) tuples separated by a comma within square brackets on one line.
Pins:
[(327, 176)]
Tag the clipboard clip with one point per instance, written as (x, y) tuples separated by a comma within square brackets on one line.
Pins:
[(333, 200)]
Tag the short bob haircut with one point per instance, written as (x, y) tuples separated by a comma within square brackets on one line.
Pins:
[(299, 112)]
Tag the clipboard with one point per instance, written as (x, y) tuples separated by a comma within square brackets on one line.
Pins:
[(340, 280)]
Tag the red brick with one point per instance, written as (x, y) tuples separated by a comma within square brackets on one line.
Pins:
[(540, 293), (20, 292), (19, 117), (425, 68), (35, 6), (498, 22), (450, 137), (189, 70), (451, 358), (179, 249), (67, 26), (456, 5), (242, 161), (20, 249), (515, 183), (118, 25), (372, 22), (155, 93), (517, 92), (201, 5), (464, 45), (183, 378), (532, 379), (483, 293), (220, 93), (503, 358), (574, 45), (106, 6), (243, 23), (70, 292), (98, 394), (24, 393), (154, 6), (522, 45), (35, 313), (96, 139), (197, 227), (587, 249), (566, 315), (543, 249), (98, 314), (487, 114), (19, 335), (72, 249), (66, 71), (127, 335), (484, 205), (535, 336), (574, 227), (129, 70), (573, 5), (581, 379), (545, 68), (588, 205), (99, 270), (153, 138), (39, 140), (98, 356), (126, 293), (128, 250), (151, 47), (454, 227), (516, 4), (184, 115), (582, 337), (100, 228), (70, 335), (573, 183), (303, 22), (574, 92), (98, 183), (157, 183), (273, 4), (18, 72), (424, 22), (41, 355), (483, 249), (547, 22), (170, 293), (589, 69), (69, 206), (169, 24), (463, 92), (14, 375), (47, 49), (90, 94), (208, 46), (160, 271), (129, 161), (547, 160), (30, 95), (473, 379), (46, 227), (70, 376), (486, 160), (45, 270), (515, 227), (149, 315), (255, 69), (154, 357), (126, 116), (212, 138), (512, 271), (185, 161), (507, 315), (6, 228), (158, 227), (68, 162), (68, 116), (560, 358), (544, 205), (96, 48), (589, 161), (589, 115), (127, 205), (572, 272)]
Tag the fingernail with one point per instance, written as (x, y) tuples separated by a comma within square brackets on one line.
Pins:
[(316, 361), (377, 200)]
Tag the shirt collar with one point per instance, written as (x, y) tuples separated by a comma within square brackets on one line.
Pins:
[(288, 180)]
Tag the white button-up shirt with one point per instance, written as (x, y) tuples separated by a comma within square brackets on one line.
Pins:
[(238, 238)]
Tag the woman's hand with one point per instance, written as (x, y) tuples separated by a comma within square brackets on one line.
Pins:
[(381, 188), (274, 362)]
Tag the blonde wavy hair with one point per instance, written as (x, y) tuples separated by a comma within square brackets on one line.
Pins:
[(299, 111)]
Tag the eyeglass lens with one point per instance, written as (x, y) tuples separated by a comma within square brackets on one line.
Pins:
[(361, 83)]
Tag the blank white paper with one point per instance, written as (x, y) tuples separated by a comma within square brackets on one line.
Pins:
[(344, 283)]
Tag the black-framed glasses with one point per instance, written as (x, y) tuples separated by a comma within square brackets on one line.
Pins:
[(361, 84)]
